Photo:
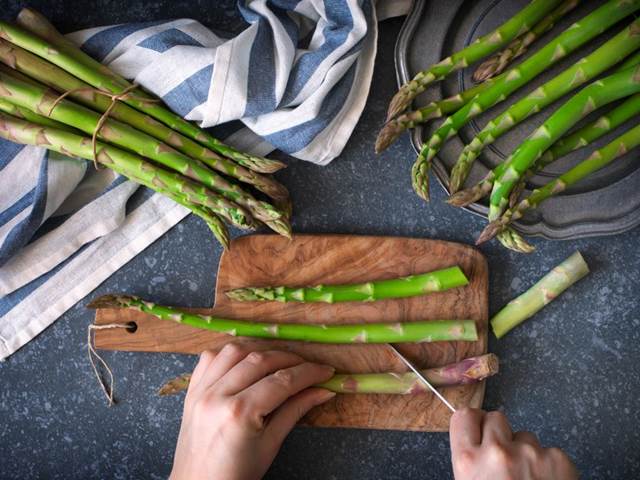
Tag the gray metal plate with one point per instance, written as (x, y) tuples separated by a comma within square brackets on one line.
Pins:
[(607, 202)]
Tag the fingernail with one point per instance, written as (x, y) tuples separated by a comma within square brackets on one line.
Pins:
[(329, 369)]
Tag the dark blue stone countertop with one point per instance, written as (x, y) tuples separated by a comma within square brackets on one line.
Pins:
[(571, 374)]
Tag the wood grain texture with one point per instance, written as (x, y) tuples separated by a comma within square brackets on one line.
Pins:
[(311, 259)]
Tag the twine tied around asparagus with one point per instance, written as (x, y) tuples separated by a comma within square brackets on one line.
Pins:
[(115, 97), (106, 386)]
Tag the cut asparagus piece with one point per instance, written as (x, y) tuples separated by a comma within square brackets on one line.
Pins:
[(50, 44), (410, 286), (597, 160), (497, 62), (597, 94), (483, 46), (548, 288), (422, 331), (584, 70), (124, 163), (469, 370), (83, 93), (570, 40)]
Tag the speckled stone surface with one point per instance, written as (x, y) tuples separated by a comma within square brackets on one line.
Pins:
[(571, 374)]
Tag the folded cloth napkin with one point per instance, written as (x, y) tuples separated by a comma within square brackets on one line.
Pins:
[(295, 80)]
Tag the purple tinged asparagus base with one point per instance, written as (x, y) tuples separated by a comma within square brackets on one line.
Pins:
[(468, 371)]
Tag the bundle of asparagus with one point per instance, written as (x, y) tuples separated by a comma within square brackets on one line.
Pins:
[(508, 180), (469, 370), (54, 95)]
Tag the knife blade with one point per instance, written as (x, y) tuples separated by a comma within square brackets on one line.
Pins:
[(421, 377)]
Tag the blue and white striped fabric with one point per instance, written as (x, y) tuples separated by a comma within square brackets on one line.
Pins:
[(295, 80)]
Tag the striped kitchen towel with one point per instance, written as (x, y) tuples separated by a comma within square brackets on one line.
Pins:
[(296, 79)]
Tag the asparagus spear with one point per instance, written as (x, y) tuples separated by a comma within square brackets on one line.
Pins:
[(568, 41), (597, 94), (469, 370), (425, 331), (534, 299), (610, 53), (581, 137), (597, 160), (124, 163), (394, 127), (56, 78), (411, 286), (497, 62), (60, 51), (42, 100), (483, 46)]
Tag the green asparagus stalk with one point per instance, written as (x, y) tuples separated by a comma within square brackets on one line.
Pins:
[(424, 331), (51, 45), (411, 286), (469, 370), (572, 38), (609, 54), (496, 63), (580, 138), (394, 127), (597, 160), (595, 95), (26, 114), (56, 78), (538, 296), (39, 99), (483, 46), (124, 163), (594, 130)]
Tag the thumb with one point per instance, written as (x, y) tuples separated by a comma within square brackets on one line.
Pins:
[(290, 412)]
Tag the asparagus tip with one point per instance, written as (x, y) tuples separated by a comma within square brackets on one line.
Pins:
[(462, 198), (490, 231), (388, 133), (110, 301), (175, 385), (242, 294)]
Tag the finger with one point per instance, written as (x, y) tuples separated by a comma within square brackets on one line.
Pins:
[(465, 429), (254, 367), (204, 361), (291, 411), (230, 355), (526, 437), (496, 428), (269, 393)]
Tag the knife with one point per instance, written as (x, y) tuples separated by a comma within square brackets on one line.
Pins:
[(421, 377)]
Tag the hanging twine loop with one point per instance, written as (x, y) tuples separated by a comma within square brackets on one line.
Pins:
[(115, 97), (106, 386)]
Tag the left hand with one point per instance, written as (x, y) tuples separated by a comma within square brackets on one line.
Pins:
[(239, 408)]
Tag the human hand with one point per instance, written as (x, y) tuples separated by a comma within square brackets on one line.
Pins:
[(484, 447), (239, 408)]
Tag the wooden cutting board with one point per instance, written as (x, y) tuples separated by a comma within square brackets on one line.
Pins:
[(314, 259)]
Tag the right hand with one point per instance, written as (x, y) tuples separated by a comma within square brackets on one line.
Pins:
[(484, 447)]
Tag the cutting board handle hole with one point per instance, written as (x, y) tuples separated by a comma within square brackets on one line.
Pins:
[(132, 327)]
